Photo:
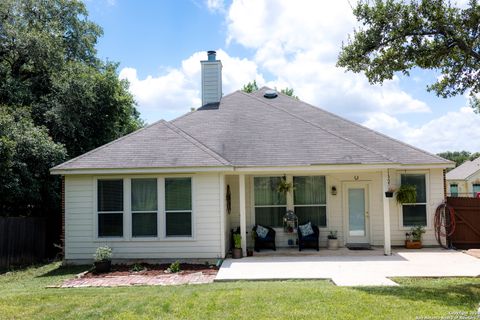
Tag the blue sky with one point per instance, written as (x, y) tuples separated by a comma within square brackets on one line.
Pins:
[(278, 43)]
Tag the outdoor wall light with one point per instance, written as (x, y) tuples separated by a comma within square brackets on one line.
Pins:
[(334, 191)]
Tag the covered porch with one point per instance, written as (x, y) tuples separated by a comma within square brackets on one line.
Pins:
[(348, 201)]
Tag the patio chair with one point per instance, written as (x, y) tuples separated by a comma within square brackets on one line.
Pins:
[(310, 241), (268, 242)]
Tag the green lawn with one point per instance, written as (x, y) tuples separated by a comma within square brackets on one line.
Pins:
[(23, 296)]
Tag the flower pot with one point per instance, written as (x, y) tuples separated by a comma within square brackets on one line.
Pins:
[(103, 266), (388, 194), (249, 252), (332, 244), (410, 244), (237, 253)]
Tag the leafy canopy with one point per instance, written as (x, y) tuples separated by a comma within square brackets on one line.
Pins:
[(397, 36), (252, 87), (459, 157)]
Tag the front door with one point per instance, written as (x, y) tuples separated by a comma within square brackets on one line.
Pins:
[(357, 216)]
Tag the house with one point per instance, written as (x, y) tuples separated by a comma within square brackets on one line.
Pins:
[(464, 180), (175, 189)]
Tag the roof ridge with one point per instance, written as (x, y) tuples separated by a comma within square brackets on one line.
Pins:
[(366, 128), (107, 144), (321, 128), (197, 143), (191, 112)]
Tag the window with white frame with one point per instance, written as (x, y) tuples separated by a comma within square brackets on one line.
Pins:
[(110, 207), (178, 207), (454, 190), (475, 189), (310, 200), (415, 214), (270, 205), (144, 207)]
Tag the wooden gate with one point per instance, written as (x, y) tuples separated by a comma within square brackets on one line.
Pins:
[(467, 222)]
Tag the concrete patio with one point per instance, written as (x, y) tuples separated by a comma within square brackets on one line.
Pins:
[(350, 268)]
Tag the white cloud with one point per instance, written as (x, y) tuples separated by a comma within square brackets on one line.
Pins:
[(298, 43), (173, 93), (456, 130), (215, 5)]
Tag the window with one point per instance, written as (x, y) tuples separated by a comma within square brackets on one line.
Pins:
[(454, 190), (178, 207), (144, 207), (270, 205), (415, 214), (110, 208), (310, 200), (476, 189)]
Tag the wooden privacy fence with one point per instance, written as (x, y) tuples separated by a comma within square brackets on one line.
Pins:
[(467, 222), (22, 240)]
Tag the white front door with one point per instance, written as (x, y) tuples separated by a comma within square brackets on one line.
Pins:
[(356, 212)]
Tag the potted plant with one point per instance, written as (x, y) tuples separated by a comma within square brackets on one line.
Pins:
[(407, 194), (414, 238), (237, 250), (389, 193), (103, 259), (332, 240)]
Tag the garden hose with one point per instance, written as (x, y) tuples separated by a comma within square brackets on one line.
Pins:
[(444, 223)]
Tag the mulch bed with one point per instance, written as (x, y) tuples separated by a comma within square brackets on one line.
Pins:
[(153, 270)]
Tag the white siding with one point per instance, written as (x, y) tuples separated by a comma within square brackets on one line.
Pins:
[(80, 217)]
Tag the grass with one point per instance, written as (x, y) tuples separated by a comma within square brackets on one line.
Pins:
[(23, 295)]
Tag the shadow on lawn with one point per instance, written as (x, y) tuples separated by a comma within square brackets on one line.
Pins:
[(65, 270), (457, 295)]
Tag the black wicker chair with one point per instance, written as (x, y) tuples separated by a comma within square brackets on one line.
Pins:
[(265, 243), (310, 241)]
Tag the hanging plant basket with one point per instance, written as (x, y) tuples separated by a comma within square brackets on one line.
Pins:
[(389, 194), (284, 187), (407, 194)]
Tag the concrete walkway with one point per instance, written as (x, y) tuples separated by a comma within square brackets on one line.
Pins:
[(350, 268)]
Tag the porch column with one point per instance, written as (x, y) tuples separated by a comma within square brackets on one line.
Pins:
[(387, 245), (243, 213)]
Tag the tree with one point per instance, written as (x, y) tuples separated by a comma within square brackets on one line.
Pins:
[(26, 154), (58, 99), (430, 34), (250, 87), (48, 62), (459, 157), (289, 92)]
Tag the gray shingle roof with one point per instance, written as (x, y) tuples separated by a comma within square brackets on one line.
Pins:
[(155, 146), (250, 130), (464, 170)]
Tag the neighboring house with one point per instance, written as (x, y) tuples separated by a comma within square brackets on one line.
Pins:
[(174, 189), (464, 180)]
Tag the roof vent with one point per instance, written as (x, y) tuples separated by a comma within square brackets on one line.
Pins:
[(270, 94), (212, 55)]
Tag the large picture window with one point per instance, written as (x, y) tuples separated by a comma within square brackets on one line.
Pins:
[(310, 200), (110, 208), (144, 207), (178, 207), (270, 205), (415, 214)]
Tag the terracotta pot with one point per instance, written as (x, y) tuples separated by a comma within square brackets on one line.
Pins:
[(410, 244), (103, 266), (237, 253), (332, 244)]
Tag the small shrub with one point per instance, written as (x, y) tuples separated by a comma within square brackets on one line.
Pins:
[(103, 254), (333, 234), (174, 267), (137, 267)]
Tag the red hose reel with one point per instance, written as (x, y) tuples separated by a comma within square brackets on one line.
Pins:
[(444, 224)]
